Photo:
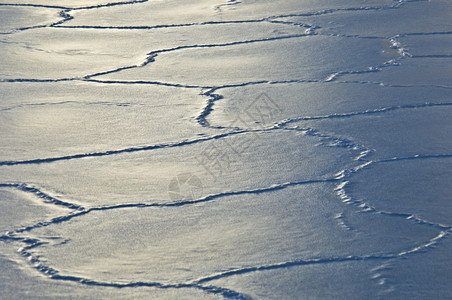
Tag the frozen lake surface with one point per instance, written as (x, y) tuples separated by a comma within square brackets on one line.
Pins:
[(226, 149)]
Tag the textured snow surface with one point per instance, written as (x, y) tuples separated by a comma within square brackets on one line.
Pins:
[(225, 149)]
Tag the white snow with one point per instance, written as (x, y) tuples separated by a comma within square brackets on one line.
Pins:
[(224, 149)]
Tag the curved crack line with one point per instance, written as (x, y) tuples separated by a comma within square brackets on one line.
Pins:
[(310, 28), (366, 208), (397, 5), (179, 85), (153, 54), (33, 5), (39, 80), (270, 19), (379, 83), (424, 33), (395, 44), (366, 112), (214, 97), (65, 17), (42, 195), (208, 108), (334, 141), (53, 274), (143, 27), (276, 126), (336, 10), (49, 271), (411, 251), (64, 13), (345, 176), (237, 131), (119, 151), (198, 283), (151, 58), (81, 211), (284, 265), (415, 157), (31, 243), (145, 82), (73, 8)]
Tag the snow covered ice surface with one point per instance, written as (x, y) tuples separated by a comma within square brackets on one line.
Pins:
[(225, 149)]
